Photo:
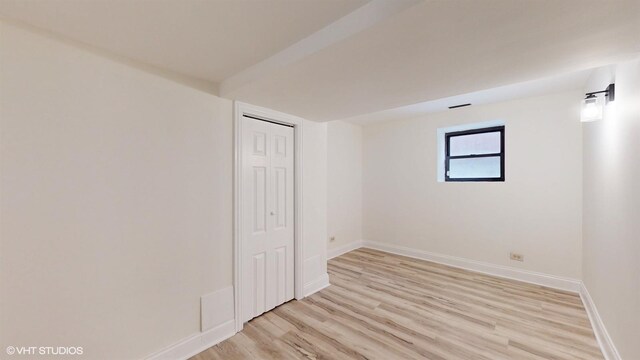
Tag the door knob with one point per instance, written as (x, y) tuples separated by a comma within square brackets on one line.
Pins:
[(272, 213)]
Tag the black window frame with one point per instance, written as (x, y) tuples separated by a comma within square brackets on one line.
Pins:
[(448, 157)]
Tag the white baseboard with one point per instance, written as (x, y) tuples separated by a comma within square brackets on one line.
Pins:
[(547, 280), (604, 340), (196, 343), (331, 253), (316, 285)]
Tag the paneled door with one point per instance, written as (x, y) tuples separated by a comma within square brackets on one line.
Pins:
[(268, 216)]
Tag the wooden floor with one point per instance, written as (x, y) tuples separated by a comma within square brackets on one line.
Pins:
[(383, 306)]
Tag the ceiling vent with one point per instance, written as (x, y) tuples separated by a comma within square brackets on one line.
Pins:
[(458, 106)]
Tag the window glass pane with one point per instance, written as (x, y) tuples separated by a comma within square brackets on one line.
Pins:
[(483, 167), (476, 144)]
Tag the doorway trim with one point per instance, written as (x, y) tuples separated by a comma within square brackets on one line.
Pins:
[(241, 109)]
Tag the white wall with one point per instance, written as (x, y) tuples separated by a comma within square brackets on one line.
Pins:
[(344, 183), (115, 197), (612, 209), (116, 201), (314, 212), (536, 211)]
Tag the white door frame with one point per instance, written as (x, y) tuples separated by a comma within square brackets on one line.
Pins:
[(241, 109)]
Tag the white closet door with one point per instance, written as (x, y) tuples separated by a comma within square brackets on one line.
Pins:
[(268, 217)]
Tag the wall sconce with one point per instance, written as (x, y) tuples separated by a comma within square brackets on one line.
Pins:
[(593, 104)]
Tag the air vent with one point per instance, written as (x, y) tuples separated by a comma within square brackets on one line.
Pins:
[(458, 106)]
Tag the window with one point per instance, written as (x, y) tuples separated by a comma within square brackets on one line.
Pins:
[(475, 155)]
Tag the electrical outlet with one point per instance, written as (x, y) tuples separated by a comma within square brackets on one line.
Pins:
[(517, 257), (332, 239)]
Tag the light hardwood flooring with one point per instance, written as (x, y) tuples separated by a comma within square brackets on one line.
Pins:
[(384, 306)]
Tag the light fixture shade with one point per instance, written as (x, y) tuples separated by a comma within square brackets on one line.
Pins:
[(592, 108)]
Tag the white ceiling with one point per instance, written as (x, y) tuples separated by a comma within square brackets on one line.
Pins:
[(566, 82), (206, 39), (335, 59), (438, 49)]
